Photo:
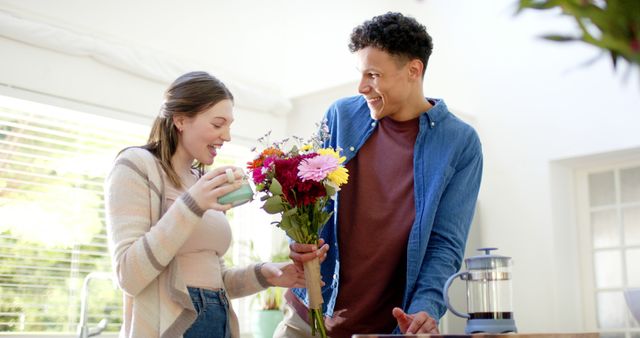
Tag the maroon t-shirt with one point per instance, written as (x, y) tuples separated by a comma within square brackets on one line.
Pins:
[(375, 215)]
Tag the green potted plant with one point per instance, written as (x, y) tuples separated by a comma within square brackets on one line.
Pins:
[(611, 25), (268, 313)]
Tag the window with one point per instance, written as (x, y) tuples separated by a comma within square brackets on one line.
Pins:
[(610, 246), (52, 233), (52, 230)]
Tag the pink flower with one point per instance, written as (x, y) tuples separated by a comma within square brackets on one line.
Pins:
[(259, 173), (317, 168)]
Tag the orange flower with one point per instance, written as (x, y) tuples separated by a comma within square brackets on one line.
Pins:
[(257, 163)]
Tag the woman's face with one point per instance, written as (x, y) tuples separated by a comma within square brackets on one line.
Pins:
[(203, 134)]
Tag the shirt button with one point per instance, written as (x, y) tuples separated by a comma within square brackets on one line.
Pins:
[(335, 276), (352, 148), (433, 124), (373, 124)]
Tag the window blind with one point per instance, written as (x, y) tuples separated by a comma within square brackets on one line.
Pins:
[(52, 229), (53, 163)]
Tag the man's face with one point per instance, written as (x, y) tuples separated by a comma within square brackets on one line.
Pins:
[(384, 81)]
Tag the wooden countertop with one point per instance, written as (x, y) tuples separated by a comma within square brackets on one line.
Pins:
[(507, 335)]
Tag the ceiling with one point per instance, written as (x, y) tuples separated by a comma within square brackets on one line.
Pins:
[(290, 47)]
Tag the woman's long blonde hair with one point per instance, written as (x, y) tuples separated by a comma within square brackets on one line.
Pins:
[(189, 95)]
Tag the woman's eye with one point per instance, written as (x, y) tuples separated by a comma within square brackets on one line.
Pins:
[(216, 126)]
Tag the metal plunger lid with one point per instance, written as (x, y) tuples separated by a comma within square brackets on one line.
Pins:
[(487, 261)]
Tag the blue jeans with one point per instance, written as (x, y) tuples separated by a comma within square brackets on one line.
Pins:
[(212, 309)]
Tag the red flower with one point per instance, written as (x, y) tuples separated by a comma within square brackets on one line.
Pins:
[(295, 191)]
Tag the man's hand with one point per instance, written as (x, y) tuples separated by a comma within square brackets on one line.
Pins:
[(415, 323), (301, 253)]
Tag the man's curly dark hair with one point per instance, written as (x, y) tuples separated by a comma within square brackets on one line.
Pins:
[(395, 34)]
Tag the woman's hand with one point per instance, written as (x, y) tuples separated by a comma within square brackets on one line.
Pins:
[(301, 253), (206, 191), (285, 275)]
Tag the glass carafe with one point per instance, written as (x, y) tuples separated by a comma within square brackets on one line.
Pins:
[(489, 304)]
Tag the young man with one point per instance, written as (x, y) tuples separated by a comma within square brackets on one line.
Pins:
[(401, 223)]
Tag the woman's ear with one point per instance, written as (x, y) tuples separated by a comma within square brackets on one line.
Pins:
[(178, 121)]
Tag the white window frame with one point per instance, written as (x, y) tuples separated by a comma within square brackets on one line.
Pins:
[(585, 243)]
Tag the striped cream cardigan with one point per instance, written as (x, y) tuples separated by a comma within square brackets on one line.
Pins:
[(143, 243)]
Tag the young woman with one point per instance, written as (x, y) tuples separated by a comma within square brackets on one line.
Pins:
[(167, 231)]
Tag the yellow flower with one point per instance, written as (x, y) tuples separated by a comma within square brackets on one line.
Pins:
[(306, 147), (339, 176), (331, 152)]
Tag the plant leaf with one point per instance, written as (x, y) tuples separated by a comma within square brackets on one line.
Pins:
[(285, 224), (330, 190), (276, 187), (290, 212), (560, 38), (273, 205)]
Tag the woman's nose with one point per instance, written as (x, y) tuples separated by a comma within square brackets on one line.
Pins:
[(226, 135)]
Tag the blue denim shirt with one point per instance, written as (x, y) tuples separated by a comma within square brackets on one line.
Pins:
[(447, 164)]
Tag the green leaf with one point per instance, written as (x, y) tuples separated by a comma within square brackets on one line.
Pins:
[(294, 150), (560, 38), (285, 224), (536, 4), (325, 219), (276, 187), (330, 190), (611, 26), (273, 205), (293, 231), (290, 212)]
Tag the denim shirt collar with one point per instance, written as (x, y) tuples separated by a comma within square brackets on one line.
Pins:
[(433, 116), (353, 141)]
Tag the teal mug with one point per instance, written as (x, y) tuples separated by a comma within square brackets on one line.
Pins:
[(239, 196)]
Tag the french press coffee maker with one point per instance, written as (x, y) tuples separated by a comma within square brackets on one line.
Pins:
[(488, 293)]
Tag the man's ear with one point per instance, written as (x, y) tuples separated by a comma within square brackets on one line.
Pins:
[(415, 69)]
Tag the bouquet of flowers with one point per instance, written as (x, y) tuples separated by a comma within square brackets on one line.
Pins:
[(297, 180)]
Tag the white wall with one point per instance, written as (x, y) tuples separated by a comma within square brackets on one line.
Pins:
[(82, 83), (309, 109), (533, 104)]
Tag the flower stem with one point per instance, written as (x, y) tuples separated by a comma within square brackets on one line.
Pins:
[(317, 323)]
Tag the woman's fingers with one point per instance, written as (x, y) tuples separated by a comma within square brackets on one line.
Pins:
[(218, 171), (225, 189)]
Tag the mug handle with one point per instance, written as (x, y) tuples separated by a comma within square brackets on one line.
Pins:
[(446, 295)]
